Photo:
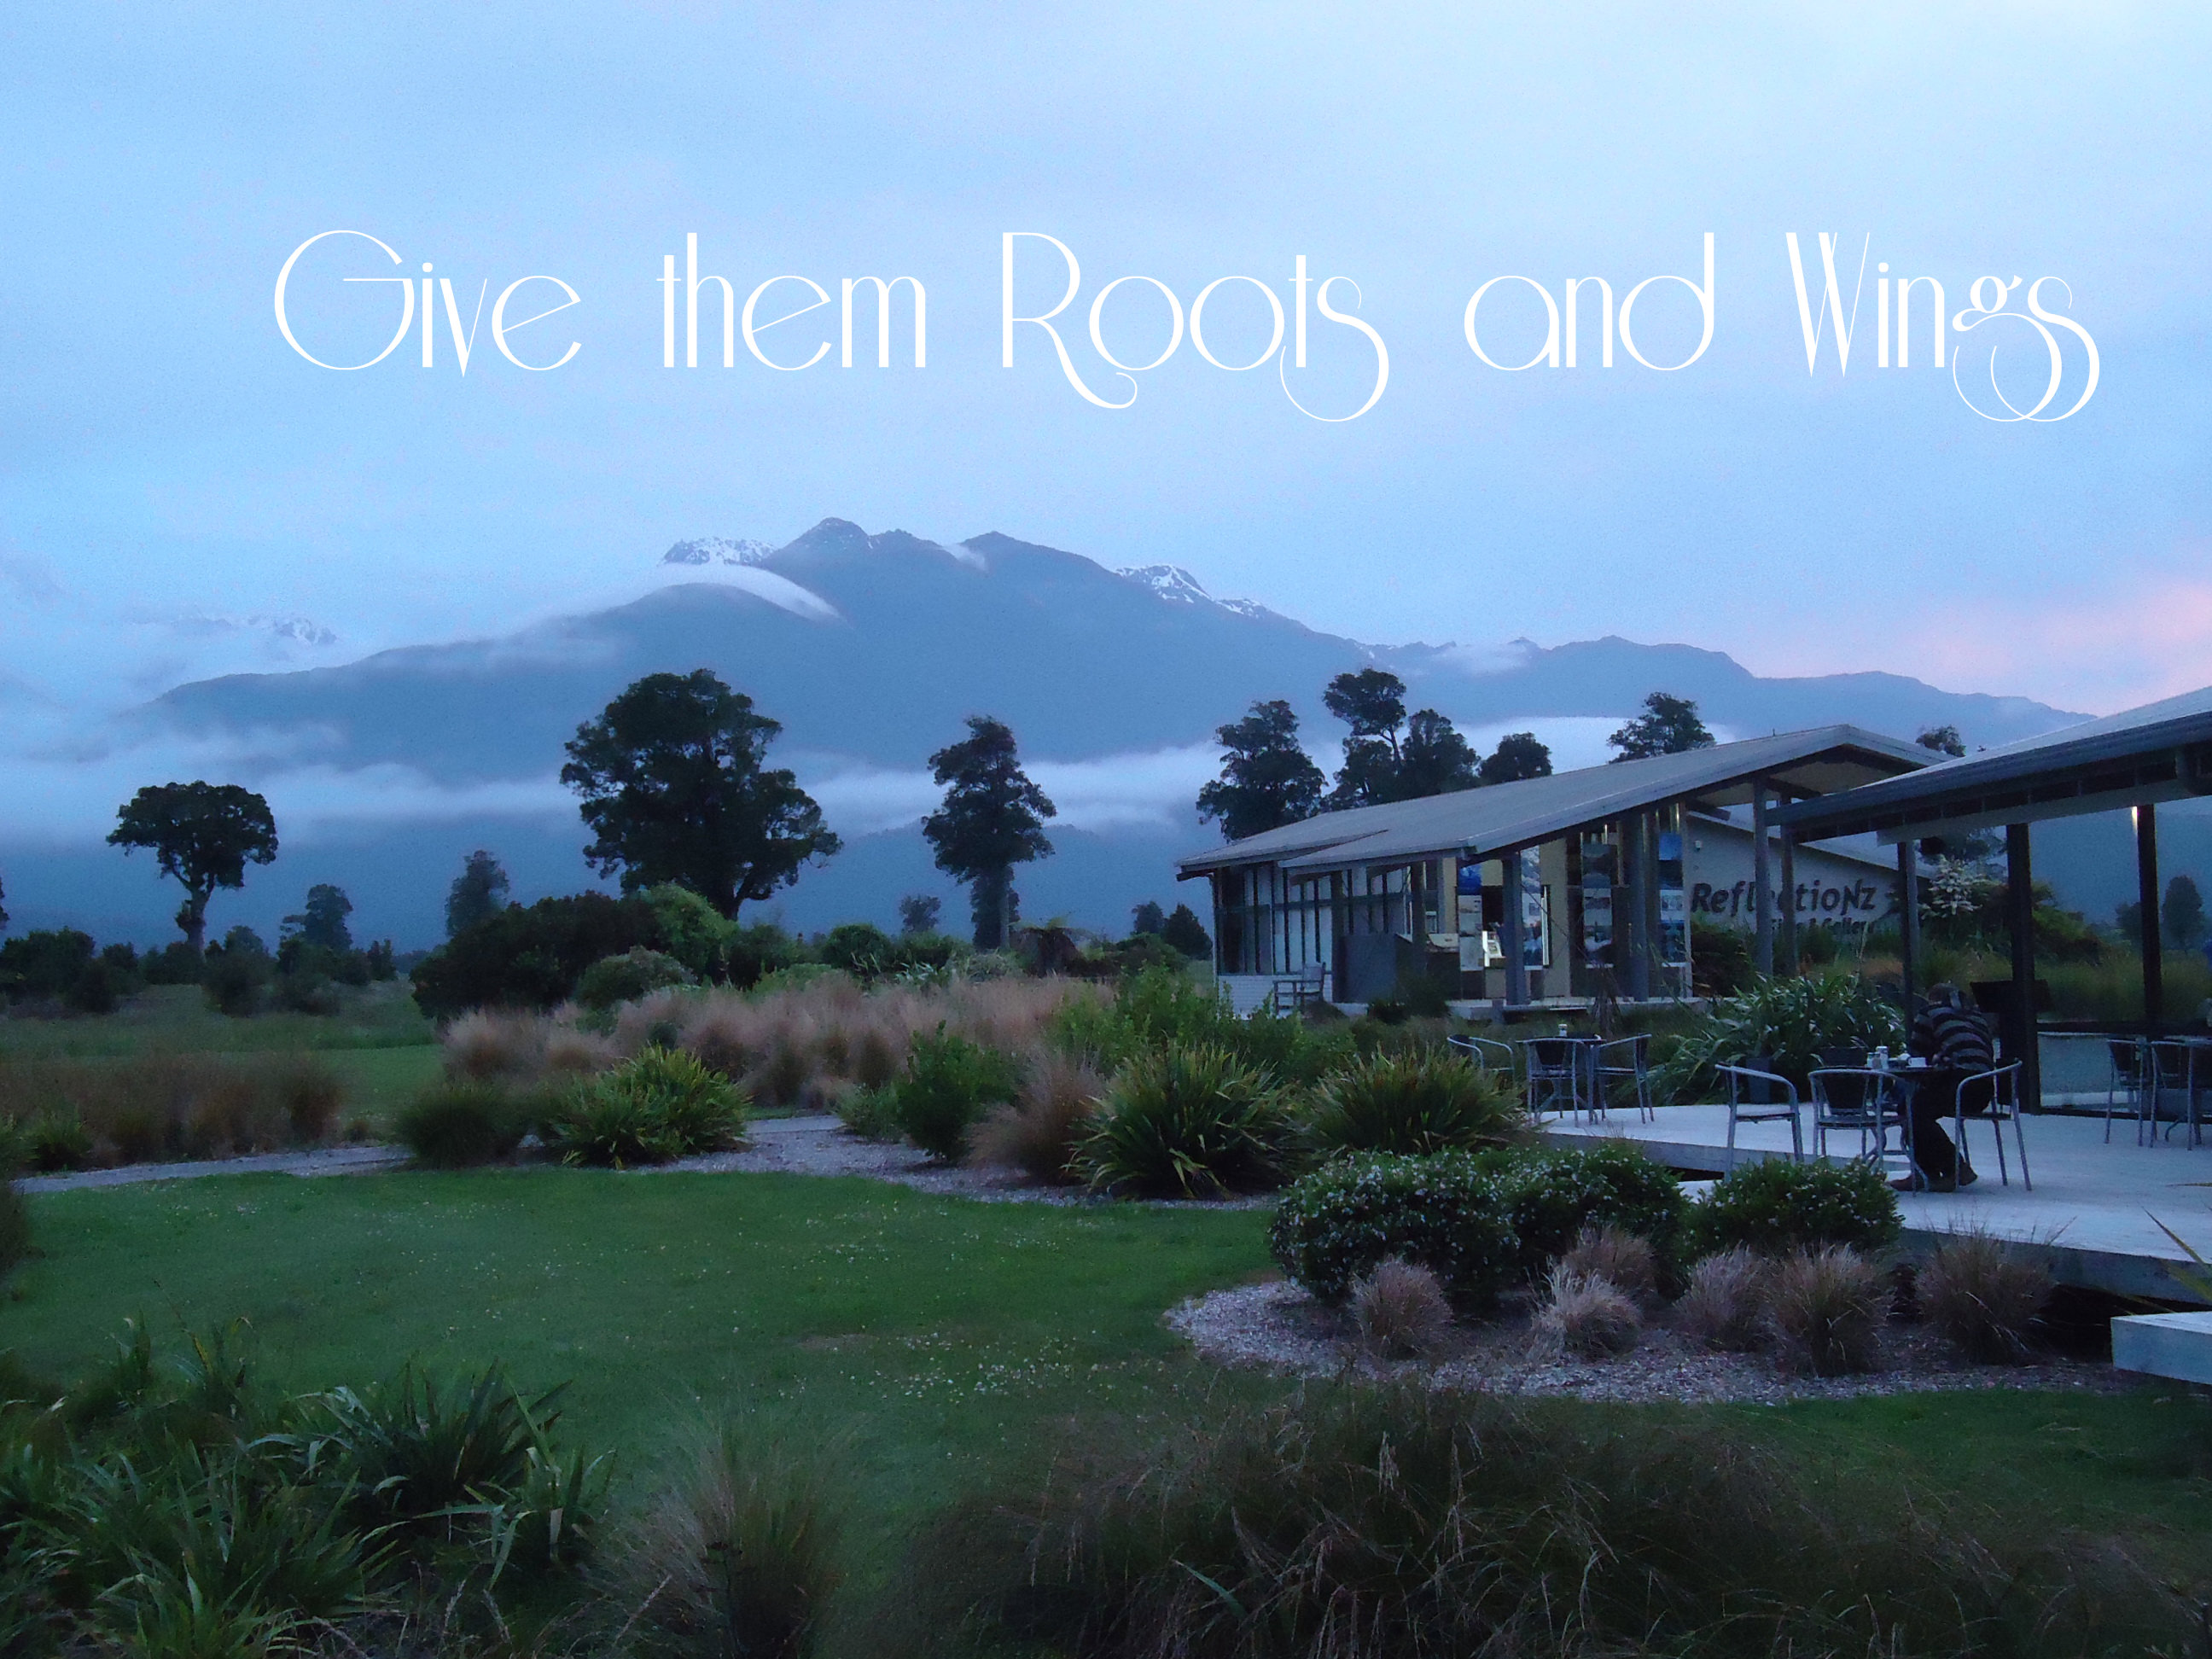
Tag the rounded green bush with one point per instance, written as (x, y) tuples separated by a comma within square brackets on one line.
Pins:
[(948, 1084), (1777, 1207), (1413, 1102), (1555, 1194), (636, 972), (462, 1122), (1188, 1122), (662, 1105), (1451, 1212)]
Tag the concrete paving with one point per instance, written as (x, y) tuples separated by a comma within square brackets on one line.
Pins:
[(326, 1161), (2091, 1212)]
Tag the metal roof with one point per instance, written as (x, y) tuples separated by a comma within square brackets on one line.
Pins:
[(1501, 817), (2161, 751)]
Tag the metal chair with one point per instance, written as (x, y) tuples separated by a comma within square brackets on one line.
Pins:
[(1553, 1075), (1625, 1061), (2127, 1084), (1868, 1104), (1292, 991), (1487, 1053), (1753, 1098), (2174, 1069), (2003, 1086)]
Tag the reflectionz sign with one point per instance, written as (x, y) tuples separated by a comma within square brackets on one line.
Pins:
[(1816, 900)]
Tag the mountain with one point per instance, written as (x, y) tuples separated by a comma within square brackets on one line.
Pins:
[(871, 650)]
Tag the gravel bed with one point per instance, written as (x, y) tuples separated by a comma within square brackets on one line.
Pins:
[(1278, 1326)]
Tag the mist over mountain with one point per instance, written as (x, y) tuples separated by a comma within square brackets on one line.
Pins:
[(871, 650)]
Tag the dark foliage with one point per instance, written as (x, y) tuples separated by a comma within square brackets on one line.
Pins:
[(1266, 779), (948, 1085), (531, 956), (480, 891), (463, 1122), (1184, 930), (203, 835), (1668, 725), (1518, 756), (992, 819), (1776, 1208)]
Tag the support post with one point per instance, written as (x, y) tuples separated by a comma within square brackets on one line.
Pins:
[(2019, 909), (1787, 940), (1762, 882), (1632, 947), (2154, 942), (1516, 940), (1577, 969), (1908, 923)]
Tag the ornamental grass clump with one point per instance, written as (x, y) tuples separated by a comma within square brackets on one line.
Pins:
[(1587, 1316), (1724, 1305), (1450, 1213), (1188, 1123), (1401, 1311), (458, 1122), (1983, 1295), (1619, 1257), (1826, 1307), (1778, 1206), (1356, 1521), (1413, 1102), (660, 1106), (1040, 1132)]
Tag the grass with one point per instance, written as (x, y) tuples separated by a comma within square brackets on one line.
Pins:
[(176, 1017), (379, 1081)]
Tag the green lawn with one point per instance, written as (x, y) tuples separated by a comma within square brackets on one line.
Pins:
[(176, 1018), (921, 1345), (379, 1081)]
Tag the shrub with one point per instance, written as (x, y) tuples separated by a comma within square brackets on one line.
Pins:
[(1586, 1316), (736, 1561), (1039, 1134), (1555, 1196), (1158, 1008), (45, 963), (1826, 1307), (1401, 1311), (662, 1105), (949, 1081), (1188, 1123), (235, 973), (870, 1114), (1725, 1304), (1413, 1103), (861, 949), (309, 1093), (97, 988), (464, 1121), (1407, 1521), (1983, 1296), (637, 972), (1776, 1207), (56, 1140), (1449, 1213), (1788, 1019), (1621, 1259), (530, 957)]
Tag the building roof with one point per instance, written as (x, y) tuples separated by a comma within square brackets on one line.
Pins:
[(1502, 818), (2161, 751)]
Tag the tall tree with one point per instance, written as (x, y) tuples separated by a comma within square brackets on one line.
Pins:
[(322, 920), (992, 819), (1518, 756), (1372, 702), (1435, 759), (1668, 725), (918, 913), (2181, 918), (674, 788), (1943, 739), (480, 891), (203, 835), (1147, 918), (1266, 779)]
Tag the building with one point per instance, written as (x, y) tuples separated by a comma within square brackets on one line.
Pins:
[(1548, 891)]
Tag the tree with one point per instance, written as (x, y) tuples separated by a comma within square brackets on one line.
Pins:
[(1266, 779), (1147, 918), (1943, 739), (992, 819), (3, 910), (479, 891), (1187, 932), (2181, 918), (1372, 702), (919, 913), (674, 788), (1435, 759), (323, 922), (1518, 756), (1668, 725), (203, 835), (531, 956)]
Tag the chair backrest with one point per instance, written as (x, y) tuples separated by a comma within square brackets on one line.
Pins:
[(2170, 1061), (1845, 1091), (1757, 1091), (1851, 1057), (2127, 1059), (1549, 1054)]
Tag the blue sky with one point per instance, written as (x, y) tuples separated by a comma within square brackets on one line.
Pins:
[(179, 492)]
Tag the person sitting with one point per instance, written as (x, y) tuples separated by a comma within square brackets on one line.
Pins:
[(1956, 1040)]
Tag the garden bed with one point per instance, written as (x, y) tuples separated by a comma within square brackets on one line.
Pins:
[(1277, 1325)]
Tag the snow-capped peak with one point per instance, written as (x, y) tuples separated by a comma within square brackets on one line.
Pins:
[(718, 550), (1170, 581)]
